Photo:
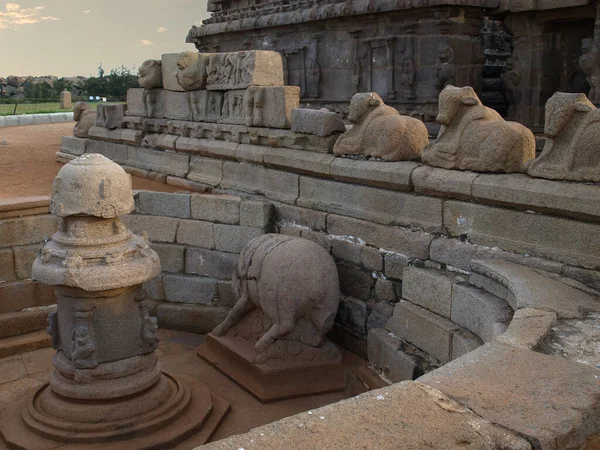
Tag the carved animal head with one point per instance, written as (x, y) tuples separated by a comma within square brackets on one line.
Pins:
[(192, 70), (454, 99), (560, 109), (78, 110), (361, 104), (150, 74)]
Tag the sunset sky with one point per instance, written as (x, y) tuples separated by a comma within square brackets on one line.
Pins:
[(72, 37)]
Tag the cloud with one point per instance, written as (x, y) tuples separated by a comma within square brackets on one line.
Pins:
[(87, 11), (14, 15), (145, 42), (161, 29)]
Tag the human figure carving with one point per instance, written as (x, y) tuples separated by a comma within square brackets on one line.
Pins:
[(573, 150), (380, 131), (288, 279), (445, 70), (474, 137), (408, 78), (151, 74), (85, 118), (82, 349)]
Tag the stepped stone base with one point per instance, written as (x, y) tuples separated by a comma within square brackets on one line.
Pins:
[(188, 415), (24, 343), (274, 380)]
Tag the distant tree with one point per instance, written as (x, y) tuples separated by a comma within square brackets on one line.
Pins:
[(113, 85), (61, 85)]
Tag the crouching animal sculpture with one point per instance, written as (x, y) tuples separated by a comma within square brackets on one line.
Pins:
[(474, 137), (380, 131), (85, 118), (294, 282), (192, 70), (572, 151), (151, 74)]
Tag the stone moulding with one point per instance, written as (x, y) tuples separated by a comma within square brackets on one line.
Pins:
[(270, 16)]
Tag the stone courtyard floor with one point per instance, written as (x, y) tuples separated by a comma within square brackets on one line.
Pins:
[(177, 354), (28, 161)]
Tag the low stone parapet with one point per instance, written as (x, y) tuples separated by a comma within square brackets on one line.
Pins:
[(35, 119)]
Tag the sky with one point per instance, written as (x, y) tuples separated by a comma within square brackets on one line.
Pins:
[(72, 37)]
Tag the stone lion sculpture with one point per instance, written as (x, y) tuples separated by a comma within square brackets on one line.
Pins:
[(293, 282), (192, 72), (151, 74), (474, 137), (380, 131), (573, 149), (85, 118)]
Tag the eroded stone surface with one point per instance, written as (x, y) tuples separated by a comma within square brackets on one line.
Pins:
[(550, 400), (85, 118), (381, 132), (239, 70), (288, 296), (427, 419), (528, 289), (474, 137), (571, 153), (151, 74)]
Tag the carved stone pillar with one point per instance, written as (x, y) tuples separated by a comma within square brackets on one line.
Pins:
[(107, 385)]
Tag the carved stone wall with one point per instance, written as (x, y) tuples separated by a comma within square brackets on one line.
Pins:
[(546, 56), (407, 51), (403, 51)]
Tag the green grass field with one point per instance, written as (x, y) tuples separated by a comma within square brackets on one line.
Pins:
[(35, 108)]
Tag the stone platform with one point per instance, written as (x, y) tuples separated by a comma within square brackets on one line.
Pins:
[(178, 354), (273, 381)]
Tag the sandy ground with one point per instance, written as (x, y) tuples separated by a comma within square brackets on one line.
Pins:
[(28, 161)]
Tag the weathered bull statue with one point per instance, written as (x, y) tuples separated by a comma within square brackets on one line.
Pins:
[(572, 151), (151, 74), (294, 282), (474, 137), (85, 118), (381, 132)]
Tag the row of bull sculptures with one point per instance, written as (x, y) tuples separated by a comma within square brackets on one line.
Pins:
[(472, 136), (475, 137)]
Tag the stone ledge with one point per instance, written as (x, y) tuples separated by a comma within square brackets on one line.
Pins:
[(552, 401), (522, 287), (428, 418), (519, 191), (35, 119), (568, 241)]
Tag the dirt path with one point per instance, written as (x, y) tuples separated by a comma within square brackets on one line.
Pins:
[(28, 161)]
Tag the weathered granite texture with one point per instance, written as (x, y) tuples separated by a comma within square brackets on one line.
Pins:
[(107, 384), (85, 118), (475, 137), (192, 70), (239, 70), (110, 116), (273, 341), (151, 74), (381, 132), (346, 47), (318, 122), (573, 129), (537, 68)]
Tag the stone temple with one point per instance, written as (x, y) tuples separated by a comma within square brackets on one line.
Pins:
[(415, 266), (516, 53)]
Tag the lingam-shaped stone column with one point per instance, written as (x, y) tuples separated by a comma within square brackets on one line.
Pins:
[(107, 385)]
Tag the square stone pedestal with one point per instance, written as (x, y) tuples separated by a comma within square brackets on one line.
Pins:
[(314, 371)]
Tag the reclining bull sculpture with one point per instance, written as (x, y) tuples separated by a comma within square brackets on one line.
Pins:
[(474, 137)]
